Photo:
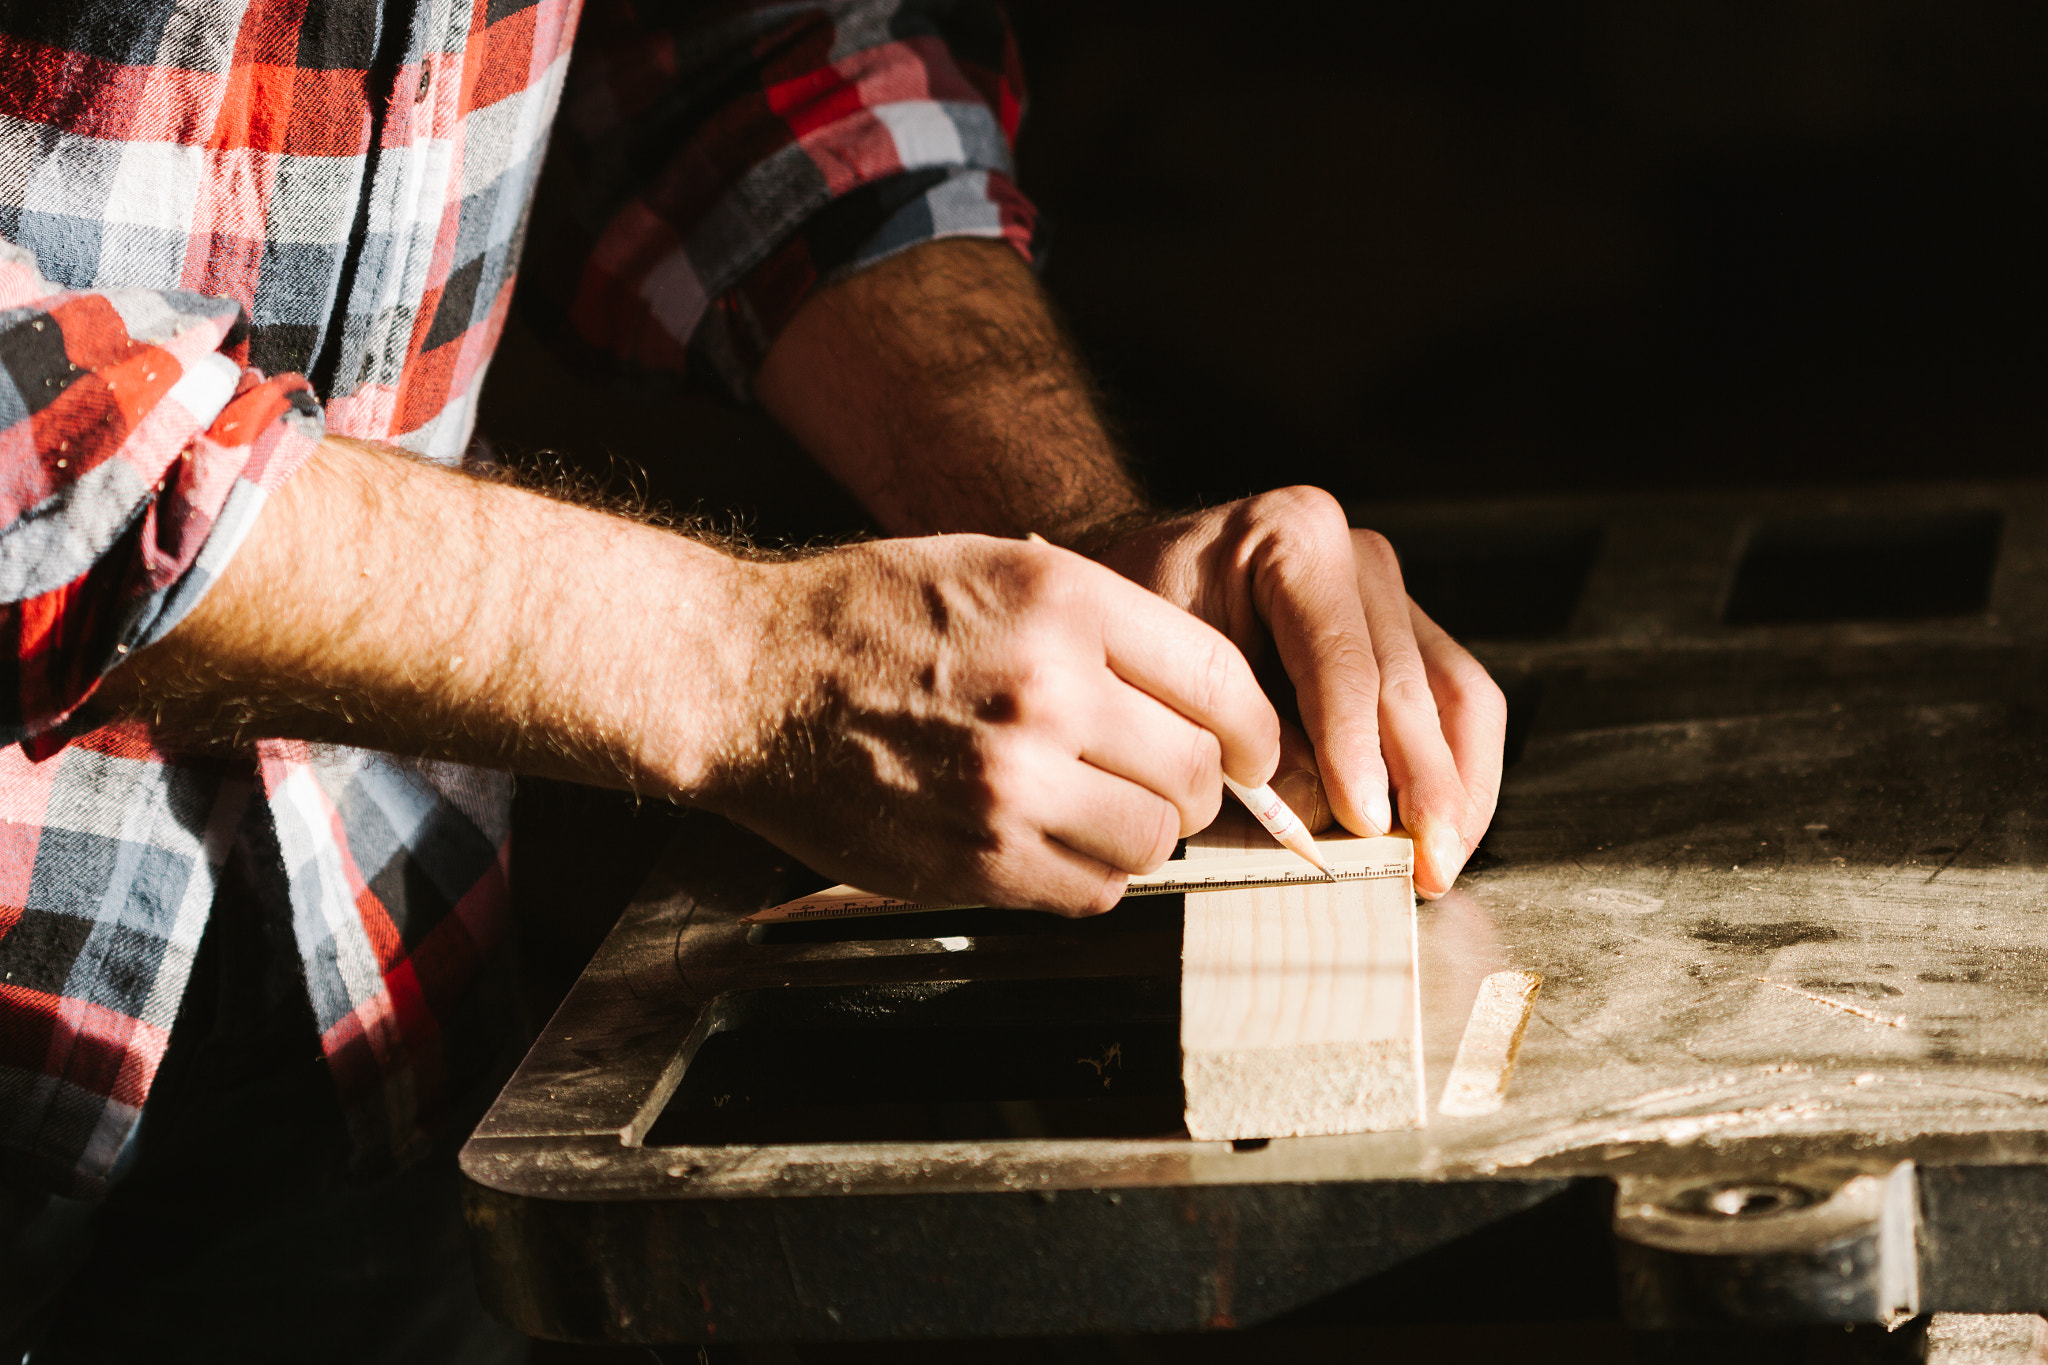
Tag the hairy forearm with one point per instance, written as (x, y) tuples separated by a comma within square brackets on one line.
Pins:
[(392, 604), (940, 389)]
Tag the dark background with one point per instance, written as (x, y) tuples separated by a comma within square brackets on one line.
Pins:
[(1472, 247), (1475, 247)]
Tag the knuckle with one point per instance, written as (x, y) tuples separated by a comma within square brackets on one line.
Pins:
[(1464, 681), (1142, 835), (1034, 686), (1039, 692), (1213, 676), (1137, 833), (1065, 580), (1302, 521), (1478, 691), (1000, 766), (1404, 684), (1107, 894), (1023, 594), (1346, 654), (1165, 835), (1202, 763), (1081, 896), (1303, 502), (1006, 791), (1372, 550)]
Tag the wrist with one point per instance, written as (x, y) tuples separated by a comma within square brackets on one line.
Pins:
[(663, 688), (777, 657)]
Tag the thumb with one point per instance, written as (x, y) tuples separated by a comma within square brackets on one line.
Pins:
[(1299, 781)]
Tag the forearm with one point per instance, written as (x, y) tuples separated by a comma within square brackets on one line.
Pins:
[(939, 388), (391, 604)]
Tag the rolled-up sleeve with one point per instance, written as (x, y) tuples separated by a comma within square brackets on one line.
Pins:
[(134, 457), (723, 163)]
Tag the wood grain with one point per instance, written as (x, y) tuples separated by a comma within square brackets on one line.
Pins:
[(1299, 1009), (1986, 1339)]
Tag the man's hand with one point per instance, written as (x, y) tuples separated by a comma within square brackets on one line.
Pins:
[(1392, 706), (964, 718), (954, 716), (937, 387)]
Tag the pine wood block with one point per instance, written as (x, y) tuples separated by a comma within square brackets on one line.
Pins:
[(1299, 1008)]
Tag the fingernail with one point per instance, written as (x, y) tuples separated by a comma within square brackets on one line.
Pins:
[(1446, 853), (1379, 813)]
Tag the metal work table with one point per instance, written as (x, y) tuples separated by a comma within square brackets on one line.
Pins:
[(1780, 877)]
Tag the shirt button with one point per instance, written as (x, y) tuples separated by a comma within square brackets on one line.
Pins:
[(426, 79)]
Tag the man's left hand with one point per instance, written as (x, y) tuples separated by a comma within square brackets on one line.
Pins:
[(1395, 710)]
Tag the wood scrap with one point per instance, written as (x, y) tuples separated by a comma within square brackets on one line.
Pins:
[(1299, 1007)]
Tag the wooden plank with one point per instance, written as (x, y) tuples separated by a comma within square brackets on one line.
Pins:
[(1299, 1008), (1986, 1339)]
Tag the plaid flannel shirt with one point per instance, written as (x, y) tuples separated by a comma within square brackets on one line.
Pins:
[(202, 201)]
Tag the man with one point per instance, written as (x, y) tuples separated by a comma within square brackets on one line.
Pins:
[(206, 596)]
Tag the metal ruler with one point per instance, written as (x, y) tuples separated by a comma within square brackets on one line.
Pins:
[(1351, 860)]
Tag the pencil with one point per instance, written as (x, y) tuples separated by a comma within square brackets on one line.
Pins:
[(1280, 822)]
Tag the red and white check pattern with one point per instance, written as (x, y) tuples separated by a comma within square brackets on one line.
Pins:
[(194, 196)]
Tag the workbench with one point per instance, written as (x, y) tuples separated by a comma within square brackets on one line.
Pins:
[(1767, 834)]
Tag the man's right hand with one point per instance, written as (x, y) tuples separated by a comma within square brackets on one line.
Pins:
[(951, 716), (967, 718)]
